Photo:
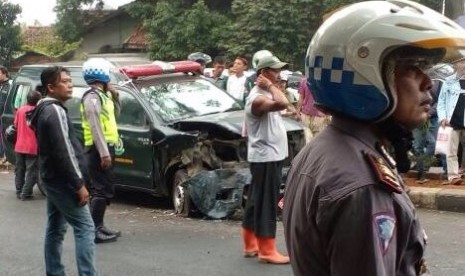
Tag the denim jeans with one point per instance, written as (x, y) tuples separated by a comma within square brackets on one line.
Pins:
[(26, 174), (62, 208), (424, 143)]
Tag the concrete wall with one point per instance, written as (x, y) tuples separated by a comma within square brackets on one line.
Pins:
[(107, 37)]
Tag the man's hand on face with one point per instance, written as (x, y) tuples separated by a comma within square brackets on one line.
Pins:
[(105, 162), (263, 82), (113, 91), (83, 196)]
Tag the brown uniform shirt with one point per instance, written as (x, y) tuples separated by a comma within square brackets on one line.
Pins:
[(345, 209)]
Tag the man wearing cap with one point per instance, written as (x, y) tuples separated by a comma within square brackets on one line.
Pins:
[(267, 148)]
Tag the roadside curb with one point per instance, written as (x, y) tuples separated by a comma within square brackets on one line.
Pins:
[(442, 199)]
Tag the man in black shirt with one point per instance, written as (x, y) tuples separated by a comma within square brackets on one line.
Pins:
[(4, 86)]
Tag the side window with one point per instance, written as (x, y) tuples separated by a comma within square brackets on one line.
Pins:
[(20, 98), (132, 113)]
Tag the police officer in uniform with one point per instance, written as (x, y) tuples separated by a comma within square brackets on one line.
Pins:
[(100, 137), (346, 211)]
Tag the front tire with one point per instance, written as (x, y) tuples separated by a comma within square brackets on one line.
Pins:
[(180, 195)]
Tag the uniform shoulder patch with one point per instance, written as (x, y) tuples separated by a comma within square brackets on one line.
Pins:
[(384, 173), (385, 225)]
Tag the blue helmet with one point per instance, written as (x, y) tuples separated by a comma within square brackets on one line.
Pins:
[(96, 70), (349, 57)]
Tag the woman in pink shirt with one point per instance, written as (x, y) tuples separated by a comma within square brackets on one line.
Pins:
[(313, 119), (26, 172)]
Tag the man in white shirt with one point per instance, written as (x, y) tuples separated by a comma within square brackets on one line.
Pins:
[(236, 81), (267, 148)]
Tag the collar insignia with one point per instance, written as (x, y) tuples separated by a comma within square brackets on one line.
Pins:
[(384, 173)]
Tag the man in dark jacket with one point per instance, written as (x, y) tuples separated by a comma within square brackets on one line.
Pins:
[(64, 174), (4, 86), (346, 209)]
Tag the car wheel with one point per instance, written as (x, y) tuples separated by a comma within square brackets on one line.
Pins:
[(181, 200)]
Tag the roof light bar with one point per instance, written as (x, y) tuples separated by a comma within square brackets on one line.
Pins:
[(159, 68)]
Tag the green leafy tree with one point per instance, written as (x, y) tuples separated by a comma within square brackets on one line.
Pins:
[(70, 18), (285, 27), (177, 28), (52, 45), (10, 40)]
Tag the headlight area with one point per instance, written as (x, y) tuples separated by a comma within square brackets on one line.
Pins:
[(231, 150)]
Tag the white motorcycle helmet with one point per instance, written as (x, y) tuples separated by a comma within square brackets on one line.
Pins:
[(96, 69), (259, 55), (348, 54)]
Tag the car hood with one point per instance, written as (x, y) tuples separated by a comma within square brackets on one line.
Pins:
[(231, 121)]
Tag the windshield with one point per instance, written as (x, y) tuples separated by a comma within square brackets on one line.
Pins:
[(181, 99)]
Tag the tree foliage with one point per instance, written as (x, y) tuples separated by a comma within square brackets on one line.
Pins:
[(70, 19), (52, 45), (176, 28), (285, 27), (10, 40)]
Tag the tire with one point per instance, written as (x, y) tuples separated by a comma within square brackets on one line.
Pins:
[(181, 200)]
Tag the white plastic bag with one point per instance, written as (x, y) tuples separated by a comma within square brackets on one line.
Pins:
[(443, 141)]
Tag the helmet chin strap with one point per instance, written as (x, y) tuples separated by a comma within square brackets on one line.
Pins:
[(401, 141)]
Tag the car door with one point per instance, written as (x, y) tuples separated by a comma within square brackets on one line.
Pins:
[(17, 97), (134, 152)]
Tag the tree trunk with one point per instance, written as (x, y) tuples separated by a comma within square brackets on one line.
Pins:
[(454, 8)]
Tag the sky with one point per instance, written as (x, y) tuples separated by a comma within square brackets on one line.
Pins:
[(42, 10)]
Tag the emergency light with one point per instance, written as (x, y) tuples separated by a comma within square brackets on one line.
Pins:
[(160, 67)]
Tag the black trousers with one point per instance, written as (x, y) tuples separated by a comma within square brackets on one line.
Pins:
[(102, 181), (262, 203)]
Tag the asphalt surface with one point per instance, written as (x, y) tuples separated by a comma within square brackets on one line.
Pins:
[(156, 242)]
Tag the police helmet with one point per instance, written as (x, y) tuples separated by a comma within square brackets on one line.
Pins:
[(346, 58), (96, 70)]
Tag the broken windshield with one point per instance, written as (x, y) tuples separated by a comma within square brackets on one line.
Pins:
[(183, 99)]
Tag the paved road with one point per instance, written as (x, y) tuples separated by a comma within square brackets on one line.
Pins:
[(155, 242)]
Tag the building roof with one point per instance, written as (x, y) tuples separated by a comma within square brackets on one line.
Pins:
[(137, 39)]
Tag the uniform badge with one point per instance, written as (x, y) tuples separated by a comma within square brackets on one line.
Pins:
[(385, 225), (384, 173)]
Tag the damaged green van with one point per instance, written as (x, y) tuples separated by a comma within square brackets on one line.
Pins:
[(174, 126)]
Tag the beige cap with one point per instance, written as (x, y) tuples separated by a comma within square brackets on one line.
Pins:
[(271, 62)]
